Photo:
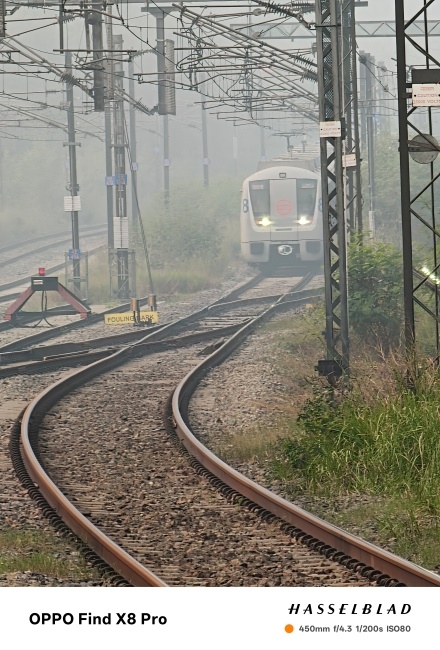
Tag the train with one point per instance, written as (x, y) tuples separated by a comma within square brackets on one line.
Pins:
[(281, 214)]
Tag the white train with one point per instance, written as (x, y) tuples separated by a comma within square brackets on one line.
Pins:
[(281, 214)]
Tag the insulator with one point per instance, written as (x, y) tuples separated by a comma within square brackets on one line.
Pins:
[(303, 7), (273, 7), (69, 78)]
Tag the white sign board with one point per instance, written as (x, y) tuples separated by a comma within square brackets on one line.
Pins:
[(426, 94), (330, 129), (349, 160), (120, 232), (72, 203)]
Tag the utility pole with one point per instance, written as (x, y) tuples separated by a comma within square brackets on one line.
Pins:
[(109, 96), (95, 19), (382, 98), (331, 115), (205, 148), (135, 216), (235, 150), (74, 202), (350, 112), (166, 160), (160, 48), (109, 173), (262, 142), (419, 191), (369, 62), (363, 100), (121, 220)]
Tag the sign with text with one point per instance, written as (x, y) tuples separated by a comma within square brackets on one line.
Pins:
[(349, 160), (330, 129), (72, 203), (127, 318), (426, 94)]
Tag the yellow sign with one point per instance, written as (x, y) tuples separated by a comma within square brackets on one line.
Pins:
[(127, 318)]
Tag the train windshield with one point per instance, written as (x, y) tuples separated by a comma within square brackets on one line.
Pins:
[(260, 198), (306, 197)]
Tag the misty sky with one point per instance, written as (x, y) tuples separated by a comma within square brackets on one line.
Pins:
[(185, 127)]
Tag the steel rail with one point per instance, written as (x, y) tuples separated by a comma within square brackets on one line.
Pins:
[(58, 242), (94, 318), (27, 278), (375, 559), (33, 240), (111, 553), (52, 362), (115, 557)]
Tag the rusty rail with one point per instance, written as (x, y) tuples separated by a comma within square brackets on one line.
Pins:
[(373, 561)]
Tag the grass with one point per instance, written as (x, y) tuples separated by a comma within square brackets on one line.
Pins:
[(197, 274), (378, 442), (366, 460), (43, 553), (191, 244), (389, 446), (254, 443)]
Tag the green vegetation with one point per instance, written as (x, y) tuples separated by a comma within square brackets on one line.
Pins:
[(191, 244), (367, 458), (375, 448), (39, 552), (198, 225), (384, 445), (375, 290)]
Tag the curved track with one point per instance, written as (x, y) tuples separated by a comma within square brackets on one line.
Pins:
[(355, 556)]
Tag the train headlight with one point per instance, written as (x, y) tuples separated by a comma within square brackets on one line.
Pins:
[(265, 221), (304, 221)]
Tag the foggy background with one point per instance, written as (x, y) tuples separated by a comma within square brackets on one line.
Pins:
[(34, 162)]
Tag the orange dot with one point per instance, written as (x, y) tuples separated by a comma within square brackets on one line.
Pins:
[(289, 628)]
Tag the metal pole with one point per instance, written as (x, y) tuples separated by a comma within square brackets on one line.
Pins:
[(363, 100), (109, 96), (109, 173), (235, 150), (132, 116), (328, 27), (371, 139), (371, 174), (205, 148), (402, 91), (262, 142), (166, 161), (121, 220), (160, 49), (73, 185), (356, 143), (95, 18)]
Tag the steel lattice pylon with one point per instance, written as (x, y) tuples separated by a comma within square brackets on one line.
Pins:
[(337, 85), (419, 182)]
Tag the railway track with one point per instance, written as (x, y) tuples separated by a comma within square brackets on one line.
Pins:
[(9, 297), (213, 324), (169, 505), (59, 238)]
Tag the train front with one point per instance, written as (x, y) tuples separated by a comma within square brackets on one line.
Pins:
[(281, 220)]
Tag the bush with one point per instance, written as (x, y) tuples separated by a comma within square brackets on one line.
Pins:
[(389, 446), (201, 224), (375, 292)]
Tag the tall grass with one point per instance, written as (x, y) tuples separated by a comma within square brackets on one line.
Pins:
[(192, 243), (388, 446)]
